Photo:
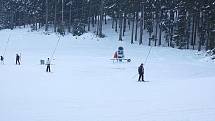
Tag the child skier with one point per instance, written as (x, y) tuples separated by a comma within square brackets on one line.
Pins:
[(141, 72)]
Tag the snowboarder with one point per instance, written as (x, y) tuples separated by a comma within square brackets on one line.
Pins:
[(48, 63), (2, 59), (17, 59), (141, 72)]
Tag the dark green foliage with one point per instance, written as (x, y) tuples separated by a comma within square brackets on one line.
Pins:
[(183, 23), (78, 28)]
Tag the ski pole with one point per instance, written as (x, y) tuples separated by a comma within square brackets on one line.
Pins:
[(148, 55), (145, 60), (55, 48), (5, 49)]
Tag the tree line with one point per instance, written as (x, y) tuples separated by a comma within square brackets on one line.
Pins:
[(177, 23)]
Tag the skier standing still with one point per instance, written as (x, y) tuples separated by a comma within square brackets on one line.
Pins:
[(48, 63), (17, 59), (141, 72), (2, 60)]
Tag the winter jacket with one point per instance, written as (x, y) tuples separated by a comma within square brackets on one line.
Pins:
[(17, 57), (115, 55), (141, 69), (48, 62), (2, 58)]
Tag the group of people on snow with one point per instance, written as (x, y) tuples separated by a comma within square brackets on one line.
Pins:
[(48, 64), (18, 60)]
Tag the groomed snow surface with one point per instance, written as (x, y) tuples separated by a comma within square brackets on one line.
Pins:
[(85, 85)]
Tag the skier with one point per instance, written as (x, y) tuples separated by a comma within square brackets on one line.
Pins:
[(2, 59), (17, 59), (48, 63), (141, 72)]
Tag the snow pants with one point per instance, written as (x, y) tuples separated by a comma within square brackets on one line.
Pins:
[(48, 69), (141, 76)]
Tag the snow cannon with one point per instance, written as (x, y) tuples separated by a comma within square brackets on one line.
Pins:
[(120, 53)]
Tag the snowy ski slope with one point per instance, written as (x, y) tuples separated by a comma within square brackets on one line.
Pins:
[(86, 86)]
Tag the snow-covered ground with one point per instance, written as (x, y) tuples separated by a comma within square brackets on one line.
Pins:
[(86, 86)]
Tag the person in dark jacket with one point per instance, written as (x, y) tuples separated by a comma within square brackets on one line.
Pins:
[(2, 60), (141, 72), (17, 59)]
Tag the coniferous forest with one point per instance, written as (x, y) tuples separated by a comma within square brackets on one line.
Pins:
[(185, 24)]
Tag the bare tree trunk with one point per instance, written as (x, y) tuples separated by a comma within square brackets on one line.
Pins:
[(113, 17), (172, 16), (101, 18), (93, 20), (135, 37), (201, 31), (116, 20), (124, 24), (129, 24), (192, 33), (62, 17), (46, 26), (160, 34), (141, 24), (55, 16), (187, 30), (97, 27), (11, 20), (70, 18), (132, 33), (89, 15), (35, 23), (207, 34), (112, 23), (195, 32), (150, 34), (156, 29), (105, 18), (120, 25)]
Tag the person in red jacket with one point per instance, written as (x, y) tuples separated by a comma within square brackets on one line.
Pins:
[(115, 55)]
